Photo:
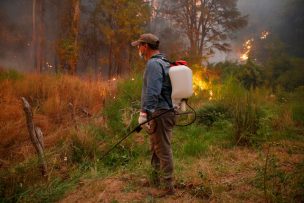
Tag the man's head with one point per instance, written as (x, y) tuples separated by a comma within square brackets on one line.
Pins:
[(147, 44)]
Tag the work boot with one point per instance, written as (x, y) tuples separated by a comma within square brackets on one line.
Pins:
[(168, 189), (169, 186), (167, 192)]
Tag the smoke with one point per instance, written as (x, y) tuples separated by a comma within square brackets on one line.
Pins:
[(15, 34), (16, 26), (262, 16), (16, 29)]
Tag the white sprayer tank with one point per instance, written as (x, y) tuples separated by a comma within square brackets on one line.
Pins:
[(181, 81)]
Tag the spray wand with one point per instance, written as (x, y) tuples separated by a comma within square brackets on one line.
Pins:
[(138, 128)]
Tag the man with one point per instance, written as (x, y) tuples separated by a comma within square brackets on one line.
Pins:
[(155, 99)]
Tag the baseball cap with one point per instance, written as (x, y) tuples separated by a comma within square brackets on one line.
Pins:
[(146, 38)]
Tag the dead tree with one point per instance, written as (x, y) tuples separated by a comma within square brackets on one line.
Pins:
[(35, 135)]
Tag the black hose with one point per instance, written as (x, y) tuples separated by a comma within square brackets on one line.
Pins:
[(193, 112), (138, 128)]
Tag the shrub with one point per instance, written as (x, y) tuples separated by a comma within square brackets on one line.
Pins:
[(84, 147), (120, 156), (211, 113), (250, 75)]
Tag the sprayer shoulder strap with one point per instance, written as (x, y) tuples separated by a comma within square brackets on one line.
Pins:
[(164, 59)]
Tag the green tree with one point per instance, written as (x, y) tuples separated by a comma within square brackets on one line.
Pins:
[(120, 22), (68, 43), (208, 24), (250, 75)]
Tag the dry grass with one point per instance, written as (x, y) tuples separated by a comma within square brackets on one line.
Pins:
[(50, 97), (284, 119), (224, 175)]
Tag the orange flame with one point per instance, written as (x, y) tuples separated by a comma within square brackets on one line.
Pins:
[(264, 35), (247, 46), (199, 84)]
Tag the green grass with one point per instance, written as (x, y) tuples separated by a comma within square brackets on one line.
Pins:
[(10, 74), (50, 192), (125, 105), (298, 111), (280, 185), (195, 140)]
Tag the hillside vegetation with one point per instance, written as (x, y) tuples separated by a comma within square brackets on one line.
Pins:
[(247, 144)]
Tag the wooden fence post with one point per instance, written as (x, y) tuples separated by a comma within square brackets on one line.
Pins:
[(35, 135)]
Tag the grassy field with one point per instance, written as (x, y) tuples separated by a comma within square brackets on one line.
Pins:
[(245, 146)]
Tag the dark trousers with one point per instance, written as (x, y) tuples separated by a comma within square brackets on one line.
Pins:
[(162, 158)]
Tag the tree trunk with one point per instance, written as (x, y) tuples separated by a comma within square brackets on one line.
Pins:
[(38, 35), (75, 33), (110, 61)]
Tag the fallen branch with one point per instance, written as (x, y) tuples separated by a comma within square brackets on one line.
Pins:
[(35, 135)]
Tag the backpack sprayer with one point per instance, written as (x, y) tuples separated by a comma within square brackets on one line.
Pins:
[(182, 88)]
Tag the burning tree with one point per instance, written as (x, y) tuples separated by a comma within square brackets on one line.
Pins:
[(253, 48), (247, 46), (208, 24)]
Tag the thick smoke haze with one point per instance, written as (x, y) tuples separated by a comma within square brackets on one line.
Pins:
[(16, 29), (263, 15), (16, 34)]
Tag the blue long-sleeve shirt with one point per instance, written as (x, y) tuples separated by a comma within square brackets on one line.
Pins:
[(156, 85)]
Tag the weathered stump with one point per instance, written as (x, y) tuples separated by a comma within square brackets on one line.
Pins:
[(36, 136)]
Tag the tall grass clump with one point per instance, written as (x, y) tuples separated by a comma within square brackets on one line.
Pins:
[(288, 119), (71, 136), (121, 110), (53, 94), (298, 105), (58, 104), (244, 110)]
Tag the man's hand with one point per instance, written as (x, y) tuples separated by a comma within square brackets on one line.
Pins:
[(142, 117)]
